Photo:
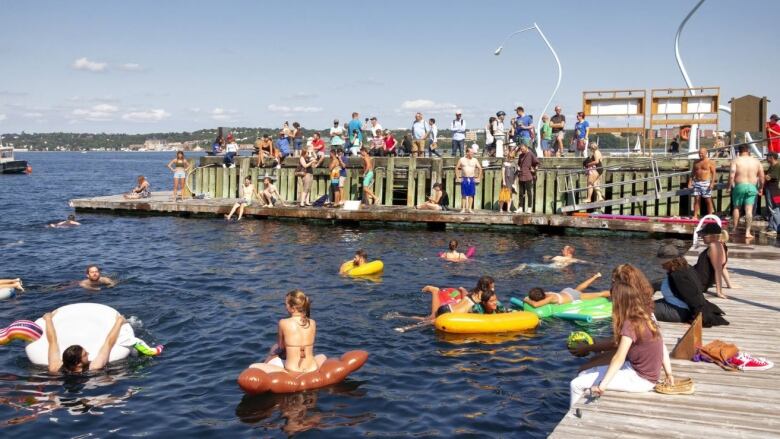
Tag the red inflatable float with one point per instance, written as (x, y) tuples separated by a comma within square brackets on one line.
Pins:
[(255, 381)]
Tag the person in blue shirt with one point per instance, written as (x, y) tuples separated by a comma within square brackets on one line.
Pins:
[(355, 125), (581, 131), (218, 145), (283, 145), (523, 127)]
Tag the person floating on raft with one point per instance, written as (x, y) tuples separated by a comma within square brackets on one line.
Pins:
[(291, 366), (75, 359), (489, 304), (460, 300), (12, 283), (359, 265), (453, 255), (538, 297)]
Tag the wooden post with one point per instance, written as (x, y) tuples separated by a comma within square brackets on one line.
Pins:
[(550, 196), (379, 180), (211, 183), (220, 179), (449, 186), (291, 181), (538, 202), (487, 189), (410, 180), (478, 194), (389, 181), (421, 186), (436, 171), (199, 180), (232, 187), (498, 178)]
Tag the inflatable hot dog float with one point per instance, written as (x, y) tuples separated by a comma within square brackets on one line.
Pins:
[(84, 324), (255, 381), (469, 323)]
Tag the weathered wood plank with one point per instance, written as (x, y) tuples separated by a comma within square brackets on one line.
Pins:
[(421, 186), (411, 187), (379, 184), (449, 178), (389, 181)]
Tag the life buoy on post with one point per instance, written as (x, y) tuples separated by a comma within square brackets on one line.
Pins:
[(685, 132)]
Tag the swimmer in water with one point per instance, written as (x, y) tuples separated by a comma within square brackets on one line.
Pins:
[(463, 302), (294, 351), (565, 259), (359, 259), (11, 283), (489, 304), (453, 255), (538, 297), (70, 222), (75, 359), (94, 280)]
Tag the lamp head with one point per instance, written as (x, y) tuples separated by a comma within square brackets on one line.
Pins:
[(498, 51)]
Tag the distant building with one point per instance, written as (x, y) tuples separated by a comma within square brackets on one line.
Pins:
[(155, 145)]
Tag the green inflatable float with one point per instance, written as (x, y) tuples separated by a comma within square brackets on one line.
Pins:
[(581, 310)]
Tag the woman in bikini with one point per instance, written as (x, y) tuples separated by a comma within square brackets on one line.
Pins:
[(453, 255), (294, 351), (179, 166), (538, 297)]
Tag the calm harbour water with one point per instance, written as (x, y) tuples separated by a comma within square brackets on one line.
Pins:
[(212, 292)]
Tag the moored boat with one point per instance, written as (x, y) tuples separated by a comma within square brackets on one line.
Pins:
[(8, 165)]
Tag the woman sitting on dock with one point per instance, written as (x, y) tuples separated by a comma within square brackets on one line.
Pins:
[(141, 190), (270, 195), (683, 297), (294, 351), (439, 200), (247, 194), (640, 353), (179, 166)]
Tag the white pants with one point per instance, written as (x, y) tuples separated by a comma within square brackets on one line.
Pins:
[(499, 146), (625, 380)]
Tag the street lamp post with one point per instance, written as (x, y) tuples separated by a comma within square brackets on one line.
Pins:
[(557, 84)]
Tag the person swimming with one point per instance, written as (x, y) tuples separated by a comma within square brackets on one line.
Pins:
[(565, 259), (360, 258), (453, 255), (538, 297), (294, 351), (94, 280), (75, 359), (463, 302), (70, 222)]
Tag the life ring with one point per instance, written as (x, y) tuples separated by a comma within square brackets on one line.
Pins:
[(84, 324), (7, 293), (582, 310), (685, 132), (367, 269), (469, 323), (255, 381)]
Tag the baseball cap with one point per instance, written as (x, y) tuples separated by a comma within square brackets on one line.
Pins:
[(335, 121), (774, 117), (500, 113)]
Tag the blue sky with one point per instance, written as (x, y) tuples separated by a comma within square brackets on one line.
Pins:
[(151, 66)]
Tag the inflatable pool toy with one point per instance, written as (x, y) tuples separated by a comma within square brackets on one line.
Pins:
[(448, 296), (578, 337), (23, 330), (7, 293), (255, 381), (367, 269), (468, 323), (84, 324), (582, 310), (470, 253)]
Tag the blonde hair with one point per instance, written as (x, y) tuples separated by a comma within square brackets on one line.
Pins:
[(632, 297), (724, 236), (297, 301)]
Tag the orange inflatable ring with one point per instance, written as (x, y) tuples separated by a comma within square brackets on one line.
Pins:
[(685, 132), (255, 381)]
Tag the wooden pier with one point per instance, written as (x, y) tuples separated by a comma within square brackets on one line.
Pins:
[(743, 404)]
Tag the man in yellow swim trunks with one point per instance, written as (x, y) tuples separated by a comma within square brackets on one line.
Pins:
[(746, 181)]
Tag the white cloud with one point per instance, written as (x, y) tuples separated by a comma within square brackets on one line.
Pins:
[(131, 67), (428, 105), (96, 113), (290, 110), (3, 117), (32, 115), (195, 109), (220, 114), (301, 96), (92, 66), (153, 115)]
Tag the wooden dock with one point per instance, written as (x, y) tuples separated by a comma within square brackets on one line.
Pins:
[(725, 404), (161, 203)]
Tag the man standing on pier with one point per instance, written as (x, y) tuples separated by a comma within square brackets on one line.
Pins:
[(419, 134), (458, 128), (702, 181), (558, 123), (746, 174), (468, 173)]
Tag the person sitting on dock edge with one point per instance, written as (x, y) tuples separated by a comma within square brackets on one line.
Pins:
[(439, 200), (247, 195), (141, 190)]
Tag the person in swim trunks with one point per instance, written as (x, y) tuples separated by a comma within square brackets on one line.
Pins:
[(468, 173), (294, 350), (94, 280), (538, 297), (75, 359), (368, 177), (702, 181), (445, 301), (746, 181)]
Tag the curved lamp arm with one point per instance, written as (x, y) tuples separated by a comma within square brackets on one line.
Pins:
[(557, 84)]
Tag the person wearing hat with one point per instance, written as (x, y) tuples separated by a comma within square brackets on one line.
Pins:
[(336, 135), (375, 127), (773, 134), (711, 263), (499, 133), (458, 128), (231, 150)]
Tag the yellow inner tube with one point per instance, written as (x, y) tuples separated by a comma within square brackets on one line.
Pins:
[(366, 269), (468, 323)]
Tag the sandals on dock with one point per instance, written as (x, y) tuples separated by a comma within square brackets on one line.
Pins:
[(681, 386)]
